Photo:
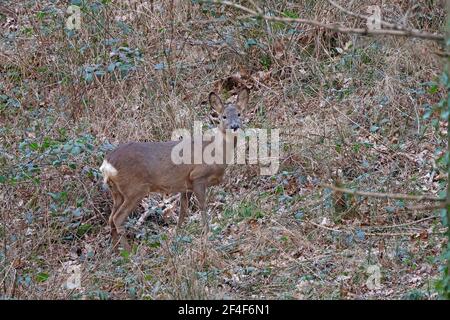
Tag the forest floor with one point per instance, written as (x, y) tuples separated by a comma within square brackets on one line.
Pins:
[(352, 110)]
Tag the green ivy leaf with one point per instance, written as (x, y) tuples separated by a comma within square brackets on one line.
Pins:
[(76, 150), (251, 42), (88, 77), (111, 67)]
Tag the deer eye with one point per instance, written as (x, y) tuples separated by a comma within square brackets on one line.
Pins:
[(239, 114), (224, 117)]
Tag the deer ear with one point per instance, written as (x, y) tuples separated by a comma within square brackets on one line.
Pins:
[(215, 102), (242, 99), (214, 118)]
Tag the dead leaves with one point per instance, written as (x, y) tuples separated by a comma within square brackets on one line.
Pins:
[(244, 78)]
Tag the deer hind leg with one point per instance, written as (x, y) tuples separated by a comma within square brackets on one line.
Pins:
[(117, 202), (199, 189), (131, 200), (184, 205)]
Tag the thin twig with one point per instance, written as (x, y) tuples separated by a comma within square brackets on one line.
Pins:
[(399, 31), (425, 207), (398, 196), (363, 17), (375, 227), (407, 224), (5, 10), (381, 234), (324, 227)]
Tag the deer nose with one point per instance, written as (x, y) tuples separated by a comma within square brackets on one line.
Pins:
[(234, 126)]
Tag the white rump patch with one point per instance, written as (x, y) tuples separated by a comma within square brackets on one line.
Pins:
[(107, 170)]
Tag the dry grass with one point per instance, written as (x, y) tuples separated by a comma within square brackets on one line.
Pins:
[(353, 115)]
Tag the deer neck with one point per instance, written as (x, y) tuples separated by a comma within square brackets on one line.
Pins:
[(225, 146)]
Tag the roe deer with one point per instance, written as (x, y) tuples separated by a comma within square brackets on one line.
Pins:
[(135, 169)]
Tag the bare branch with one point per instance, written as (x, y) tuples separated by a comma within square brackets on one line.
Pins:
[(400, 31), (8, 11), (363, 17), (426, 207), (398, 196)]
